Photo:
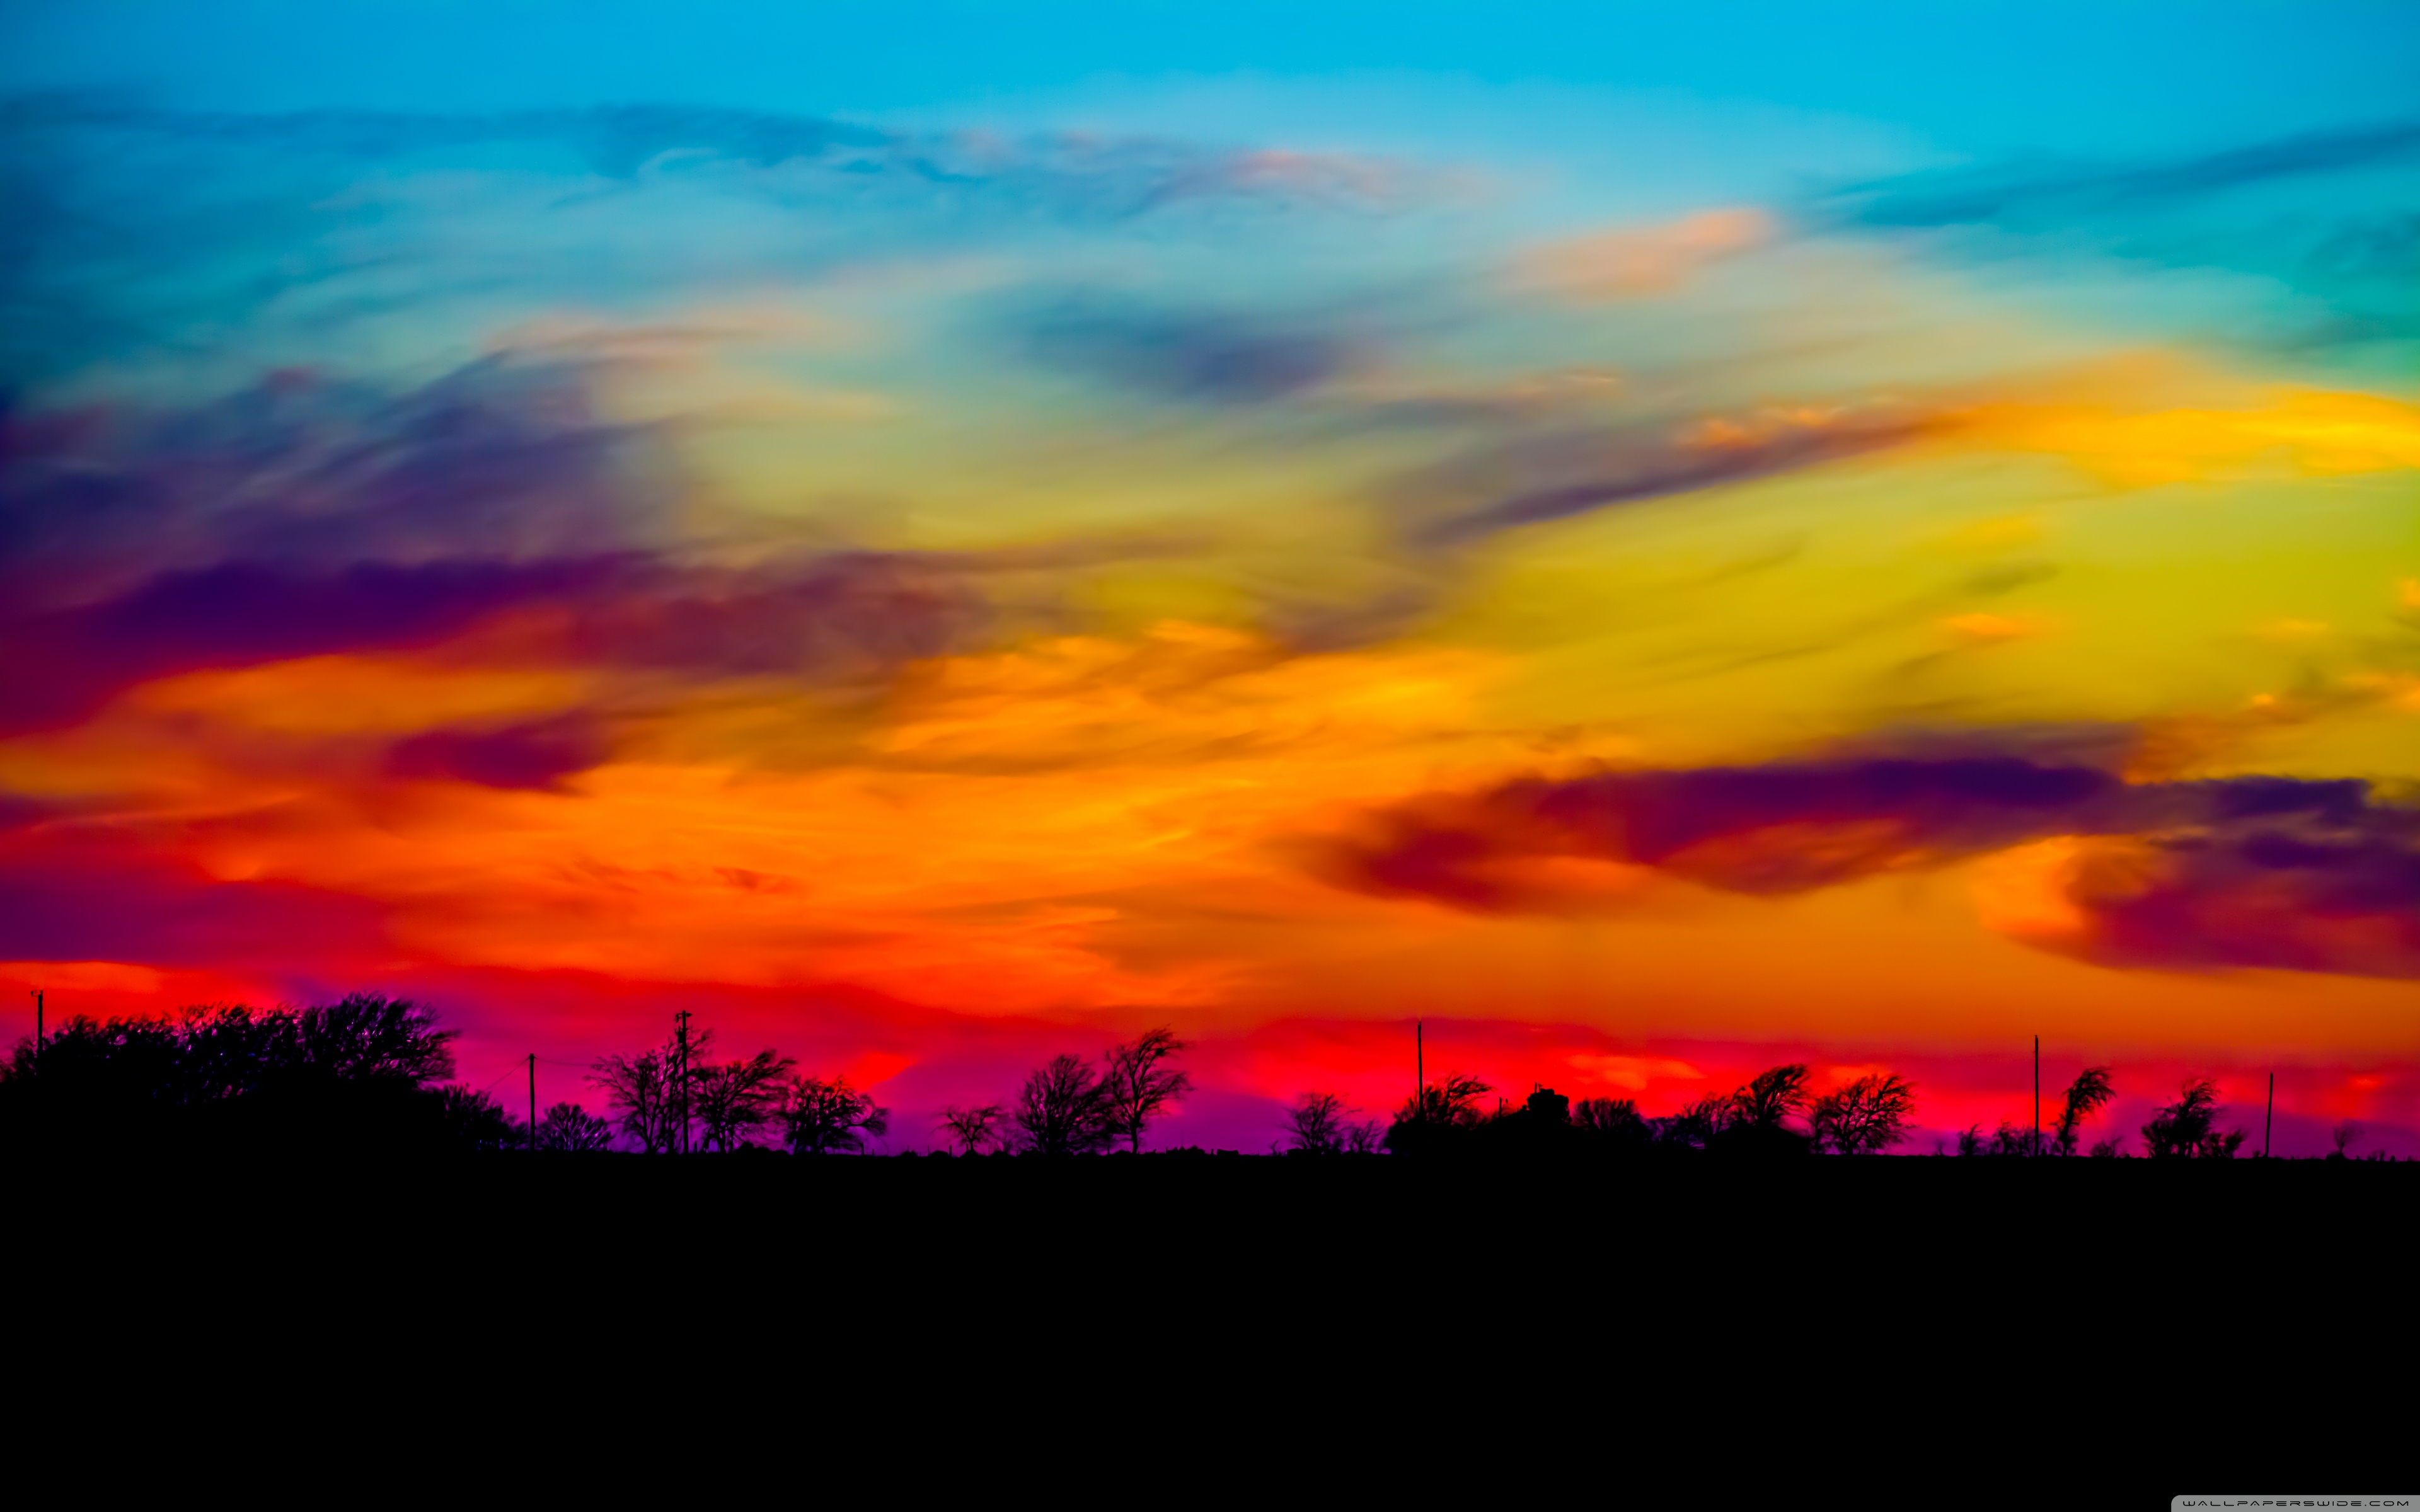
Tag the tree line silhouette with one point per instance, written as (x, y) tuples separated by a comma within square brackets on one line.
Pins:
[(371, 1070)]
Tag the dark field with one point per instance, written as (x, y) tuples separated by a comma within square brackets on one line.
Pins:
[(1700, 1326)]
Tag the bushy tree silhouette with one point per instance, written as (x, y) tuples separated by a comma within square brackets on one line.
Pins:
[(1610, 1117), (570, 1128), (824, 1118), (1864, 1118), (1693, 1125), (735, 1099), (1321, 1123), (1753, 1120), (1439, 1117), (643, 1093), (2188, 1127), (474, 1120), (344, 1074), (2008, 1139), (1062, 1110), (1771, 1098), (370, 1036), (1451, 1100), (1139, 1081)]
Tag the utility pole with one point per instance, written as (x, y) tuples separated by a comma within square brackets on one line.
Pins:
[(533, 1101), (1419, 1073), (2268, 1120), (680, 1074), (2037, 1094)]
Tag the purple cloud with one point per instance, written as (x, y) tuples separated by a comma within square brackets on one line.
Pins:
[(537, 755), (2296, 874)]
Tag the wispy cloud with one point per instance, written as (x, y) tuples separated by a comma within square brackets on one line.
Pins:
[(1190, 355), (2302, 874), (2032, 193)]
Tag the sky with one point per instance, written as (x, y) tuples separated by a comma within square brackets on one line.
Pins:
[(1652, 541)]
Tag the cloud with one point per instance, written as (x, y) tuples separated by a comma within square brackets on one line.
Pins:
[(1070, 171), (1581, 474), (539, 754), (498, 460), (2290, 873), (2288, 211), (1191, 356), (67, 664), (78, 896), (836, 616), (1641, 260), (2027, 194), (2125, 442), (302, 518)]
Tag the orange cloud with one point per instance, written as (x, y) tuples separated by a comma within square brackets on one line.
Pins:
[(1643, 260)]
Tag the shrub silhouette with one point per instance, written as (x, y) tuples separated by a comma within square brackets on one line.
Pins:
[(2086, 1095), (2188, 1127)]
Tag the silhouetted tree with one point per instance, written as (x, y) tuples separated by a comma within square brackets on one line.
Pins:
[(2188, 1127), (2014, 1139), (474, 1120), (1316, 1124), (1766, 1101), (569, 1127), (370, 1036), (2109, 1148), (1696, 1124), (1865, 1118), (2085, 1096), (642, 1089), (1612, 1117), (1439, 1117), (339, 1075), (736, 1099), (1061, 1110), (2342, 1136), (1140, 1080), (974, 1129), (1453, 1100), (1756, 1119), (823, 1117)]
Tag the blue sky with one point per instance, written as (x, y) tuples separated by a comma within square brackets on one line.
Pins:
[(1972, 78)]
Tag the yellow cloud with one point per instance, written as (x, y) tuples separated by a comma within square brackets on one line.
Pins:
[(1984, 630), (2300, 433)]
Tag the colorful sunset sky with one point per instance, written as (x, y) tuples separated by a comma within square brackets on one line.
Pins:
[(1654, 540)]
